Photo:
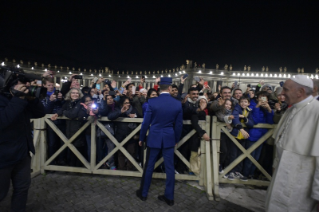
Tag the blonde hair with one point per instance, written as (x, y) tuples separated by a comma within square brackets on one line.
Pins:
[(68, 95)]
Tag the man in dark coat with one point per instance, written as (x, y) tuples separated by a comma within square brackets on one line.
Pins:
[(16, 143), (165, 131)]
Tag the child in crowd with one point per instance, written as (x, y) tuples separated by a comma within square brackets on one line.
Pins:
[(261, 113), (242, 114), (225, 115)]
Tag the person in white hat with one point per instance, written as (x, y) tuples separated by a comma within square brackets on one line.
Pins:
[(295, 182)]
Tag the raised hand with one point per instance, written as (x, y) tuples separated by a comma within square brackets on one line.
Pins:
[(124, 109), (22, 88), (201, 81), (203, 105), (52, 97), (183, 79), (60, 96), (277, 107), (113, 84)]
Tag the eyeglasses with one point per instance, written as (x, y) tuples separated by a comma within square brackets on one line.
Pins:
[(126, 103), (74, 93)]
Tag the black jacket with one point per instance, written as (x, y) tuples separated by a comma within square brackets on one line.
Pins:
[(123, 129), (77, 117), (15, 128)]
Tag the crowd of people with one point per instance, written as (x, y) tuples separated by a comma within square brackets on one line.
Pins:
[(293, 105), (231, 105)]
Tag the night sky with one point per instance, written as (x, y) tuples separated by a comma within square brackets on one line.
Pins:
[(155, 36)]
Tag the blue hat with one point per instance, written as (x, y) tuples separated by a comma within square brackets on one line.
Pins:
[(166, 81)]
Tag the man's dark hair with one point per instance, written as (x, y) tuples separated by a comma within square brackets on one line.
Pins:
[(174, 86), (262, 93), (192, 89), (244, 98), (84, 97), (85, 90), (122, 100), (127, 86), (164, 87), (149, 92), (224, 87), (238, 89), (45, 80)]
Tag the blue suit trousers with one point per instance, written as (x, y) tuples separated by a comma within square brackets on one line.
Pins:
[(151, 158)]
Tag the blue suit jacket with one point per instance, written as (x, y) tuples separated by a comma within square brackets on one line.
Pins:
[(165, 115)]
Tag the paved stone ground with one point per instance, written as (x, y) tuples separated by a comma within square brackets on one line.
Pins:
[(61, 191)]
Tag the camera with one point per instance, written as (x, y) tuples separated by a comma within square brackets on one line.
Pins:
[(93, 106), (56, 92), (9, 77)]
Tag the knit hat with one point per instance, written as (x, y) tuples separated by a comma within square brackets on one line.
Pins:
[(201, 97), (143, 90), (278, 90)]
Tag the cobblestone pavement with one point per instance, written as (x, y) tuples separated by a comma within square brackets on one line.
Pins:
[(61, 191)]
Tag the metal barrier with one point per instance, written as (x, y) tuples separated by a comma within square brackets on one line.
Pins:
[(40, 163), (217, 178)]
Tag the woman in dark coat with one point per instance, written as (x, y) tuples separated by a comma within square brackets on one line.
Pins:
[(123, 129), (77, 115)]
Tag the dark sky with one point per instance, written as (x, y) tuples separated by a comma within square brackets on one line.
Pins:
[(151, 36)]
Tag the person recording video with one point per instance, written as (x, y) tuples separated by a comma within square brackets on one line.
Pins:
[(18, 104)]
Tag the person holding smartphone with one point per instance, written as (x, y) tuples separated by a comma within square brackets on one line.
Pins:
[(52, 103), (262, 114)]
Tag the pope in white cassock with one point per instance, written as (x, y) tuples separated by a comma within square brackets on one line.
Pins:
[(295, 182)]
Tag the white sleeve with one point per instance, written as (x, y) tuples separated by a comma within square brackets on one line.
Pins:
[(227, 121), (315, 184)]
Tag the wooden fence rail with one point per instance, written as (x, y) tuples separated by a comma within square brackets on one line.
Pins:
[(217, 178), (208, 177), (41, 163)]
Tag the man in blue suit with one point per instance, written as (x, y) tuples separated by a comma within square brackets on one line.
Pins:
[(165, 115)]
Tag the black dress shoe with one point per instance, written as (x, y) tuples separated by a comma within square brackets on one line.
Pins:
[(164, 199), (139, 195)]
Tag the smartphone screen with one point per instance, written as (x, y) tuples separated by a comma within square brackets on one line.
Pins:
[(39, 82), (129, 79), (133, 89), (95, 79), (264, 99), (205, 84), (235, 83), (98, 86), (185, 75), (196, 79)]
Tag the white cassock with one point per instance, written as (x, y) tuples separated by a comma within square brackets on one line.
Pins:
[(295, 183)]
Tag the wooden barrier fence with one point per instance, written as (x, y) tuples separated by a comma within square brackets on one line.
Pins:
[(209, 176), (217, 178), (40, 162)]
